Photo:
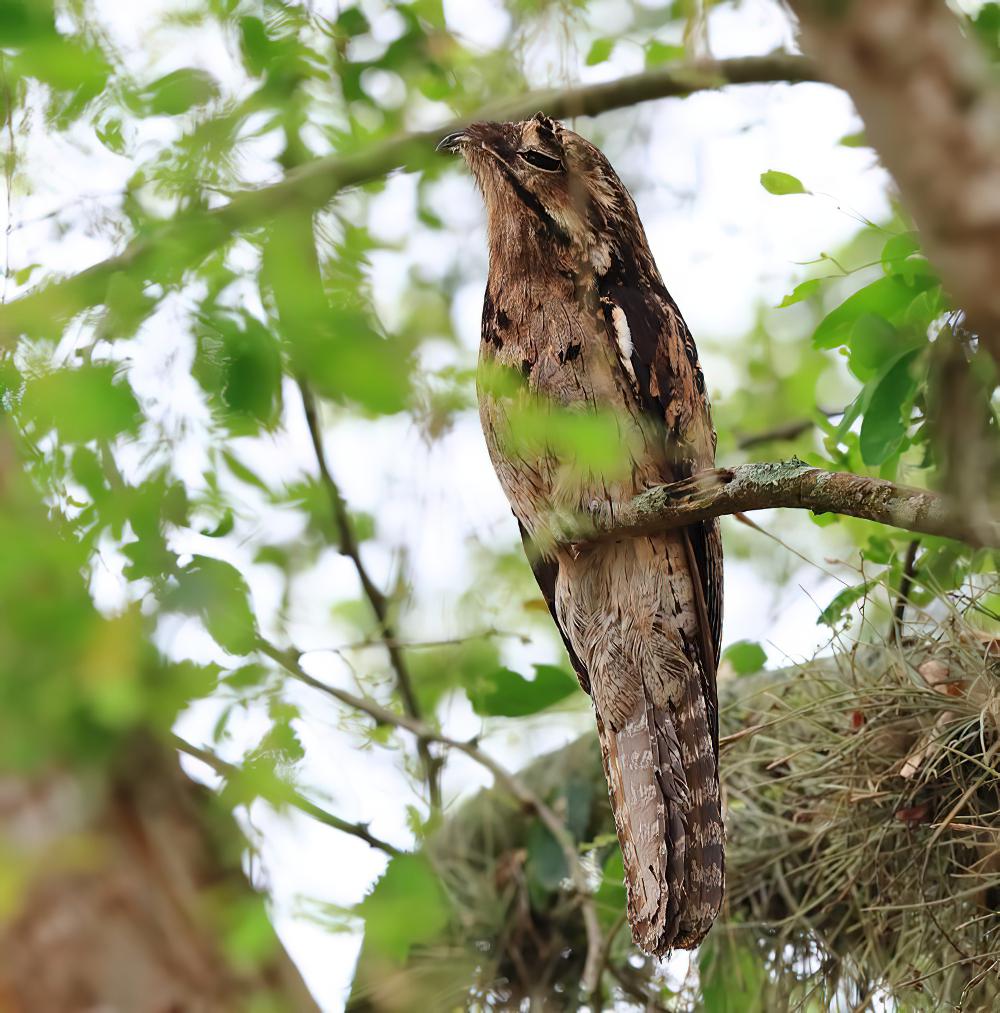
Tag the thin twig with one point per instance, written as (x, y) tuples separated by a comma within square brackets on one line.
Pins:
[(785, 431), (289, 660), (421, 645), (905, 586), (966, 795), (287, 795), (605, 956), (629, 985), (348, 546)]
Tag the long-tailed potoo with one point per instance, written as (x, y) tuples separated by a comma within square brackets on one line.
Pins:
[(576, 311)]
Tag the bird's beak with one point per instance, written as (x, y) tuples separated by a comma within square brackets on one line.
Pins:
[(453, 142)]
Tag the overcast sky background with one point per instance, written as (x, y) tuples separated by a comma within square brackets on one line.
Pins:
[(723, 246)]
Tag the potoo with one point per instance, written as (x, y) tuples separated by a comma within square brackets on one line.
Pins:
[(576, 312)]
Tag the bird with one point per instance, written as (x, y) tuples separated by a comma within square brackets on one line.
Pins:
[(577, 324)]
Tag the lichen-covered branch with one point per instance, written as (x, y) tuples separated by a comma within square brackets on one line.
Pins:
[(787, 484), (931, 105), (167, 251)]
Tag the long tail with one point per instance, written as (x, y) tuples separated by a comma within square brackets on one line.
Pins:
[(664, 787)]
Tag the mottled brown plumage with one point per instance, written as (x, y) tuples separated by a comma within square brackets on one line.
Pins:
[(576, 311)]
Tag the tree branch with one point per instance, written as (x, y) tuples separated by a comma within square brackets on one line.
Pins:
[(784, 484), (930, 102), (348, 544), (288, 796), (514, 786), (181, 243)]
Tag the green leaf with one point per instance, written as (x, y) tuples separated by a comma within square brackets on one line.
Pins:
[(856, 140), (610, 897), (238, 364), (244, 473), (503, 693), (333, 341), (987, 27), (600, 50), (127, 305), (746, 657), (249, 936), (898, 248), (874, 341), (575, 801), (438, 670), (217, 592), (546, 863), (65, 64), (834, 613), (887, 297), (89, 403), (226, 524), (886, 420), (246, 676), (254, 44), (352, 22), (180, 90), (658, 53), (781, 183), (732, 977), (406, 907), (804, 290), (25, 21)]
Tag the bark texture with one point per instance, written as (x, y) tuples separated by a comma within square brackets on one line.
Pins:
[(761, 486), (123, 891), (931, 108)]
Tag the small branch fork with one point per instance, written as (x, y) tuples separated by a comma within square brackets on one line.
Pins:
[(289, 660), (287, 795)]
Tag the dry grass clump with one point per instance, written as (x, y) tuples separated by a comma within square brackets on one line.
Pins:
[(863, 854), (864, 825)]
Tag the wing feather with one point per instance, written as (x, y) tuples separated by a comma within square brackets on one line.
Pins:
[(546, 571), (671, 389)]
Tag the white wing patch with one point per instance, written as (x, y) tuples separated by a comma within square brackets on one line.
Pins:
[(624, 338)]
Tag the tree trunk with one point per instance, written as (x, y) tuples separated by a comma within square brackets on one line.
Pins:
[(122, 891)]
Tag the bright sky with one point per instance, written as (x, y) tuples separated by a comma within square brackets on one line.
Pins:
[(722, 243)]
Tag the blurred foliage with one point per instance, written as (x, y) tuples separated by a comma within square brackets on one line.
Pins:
[(161, 440)]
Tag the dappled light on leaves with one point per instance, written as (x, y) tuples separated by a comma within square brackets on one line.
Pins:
[(246, 513)]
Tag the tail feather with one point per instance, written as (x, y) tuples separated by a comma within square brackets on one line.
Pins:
[(665, 799), (705, 853)]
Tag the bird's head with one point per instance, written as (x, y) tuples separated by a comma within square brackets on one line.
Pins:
[(540, 179)]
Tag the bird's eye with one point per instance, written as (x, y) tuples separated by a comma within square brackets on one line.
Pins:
[(544, 162)]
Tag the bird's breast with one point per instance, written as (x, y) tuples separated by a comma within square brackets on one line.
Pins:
[(564, 428)]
